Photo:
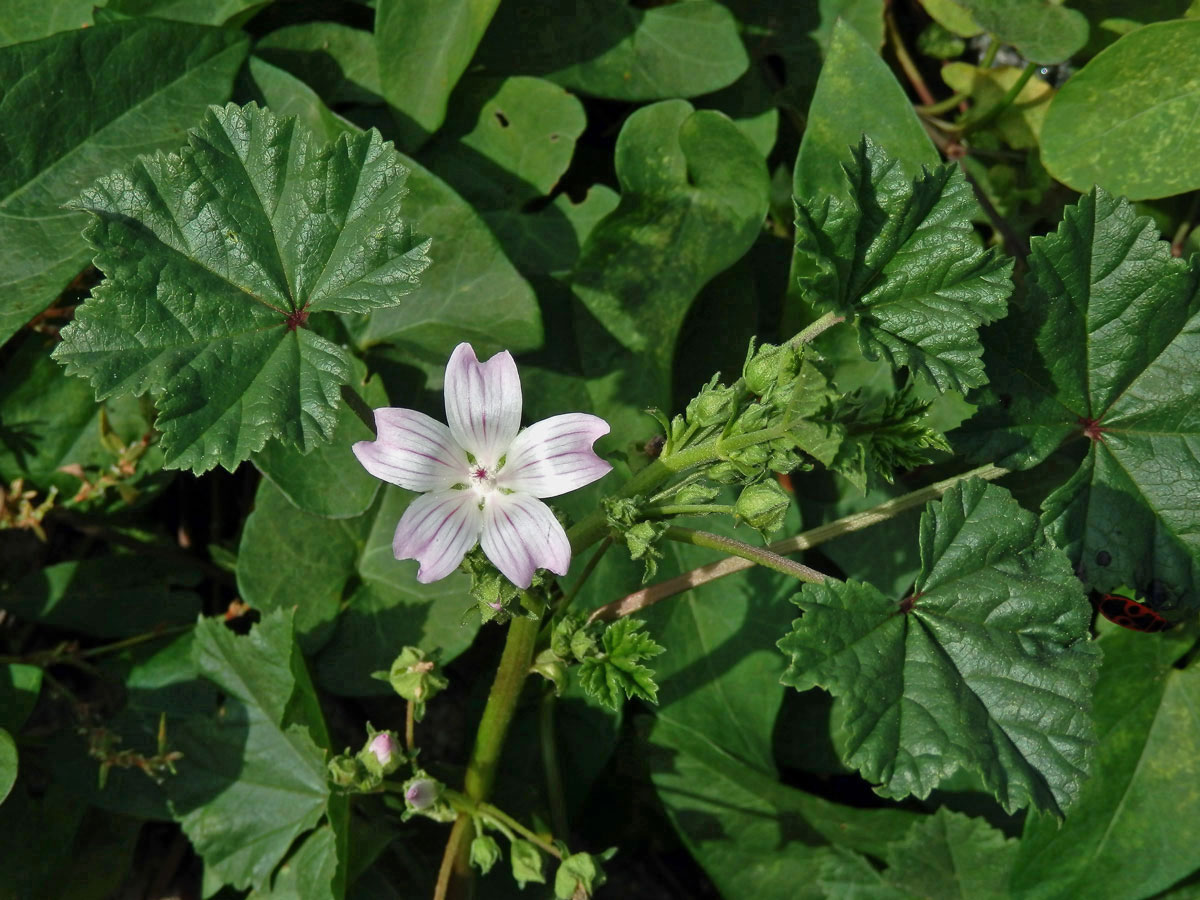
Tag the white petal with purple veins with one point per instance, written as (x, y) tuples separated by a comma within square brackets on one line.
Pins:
[(413, 451), (437, 530), (554, 456), (483, 403), (520, 534)]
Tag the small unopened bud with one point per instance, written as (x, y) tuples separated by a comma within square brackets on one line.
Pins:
[(421, 793), (383, 747), (763, 506), (714, 405), (767, 365), (344, 771)]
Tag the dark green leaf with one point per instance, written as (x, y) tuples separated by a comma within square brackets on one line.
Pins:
[(29, 20), (100, 120), (292, 559), (473, 293), (252, 778), (52, 420), (900, 258), (857, 94), (949, 855), (619, 50), (329, 481), (20, 686), (309, 873), (506, 141), (113, 596), (338, 62), (423, 46), (693, 197), (1041, 30), (203, 12), (1130, 835), (1104, 346), (987, 666), (710, 749), (8, 764), (215, 256), (1125, 121)]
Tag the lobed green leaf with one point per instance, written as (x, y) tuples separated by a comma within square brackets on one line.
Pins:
[(216, 256), (900, 259), (986, 666)]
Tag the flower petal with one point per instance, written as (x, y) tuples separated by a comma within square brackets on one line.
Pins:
[(520, 534), (483, 403), (554, 456), (437, 530), (413, 451)]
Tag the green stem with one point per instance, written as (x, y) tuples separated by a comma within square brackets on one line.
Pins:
[(810, 332), (685, 509), (565, 601), (135, 640), (973, 122), (465, 806), (554, 781), (755, 555), (639, 600), (489, 743)]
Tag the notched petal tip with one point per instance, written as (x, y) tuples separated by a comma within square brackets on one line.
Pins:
[(483, 402), (555, 456), (412, 450)]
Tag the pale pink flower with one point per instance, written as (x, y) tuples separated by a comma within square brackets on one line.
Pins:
[(480, 479), (383, 747)]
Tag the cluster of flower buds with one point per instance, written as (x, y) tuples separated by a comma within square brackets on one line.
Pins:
[(364, 771)]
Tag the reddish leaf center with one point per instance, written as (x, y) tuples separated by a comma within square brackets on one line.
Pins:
[(1092, 429), (297, 318)]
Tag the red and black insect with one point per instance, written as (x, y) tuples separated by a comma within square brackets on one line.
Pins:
[(1131, 614)]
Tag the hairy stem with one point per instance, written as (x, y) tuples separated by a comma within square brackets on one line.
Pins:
[(554, 782), (811, 332), (489, 742), (906, 61), (684, 509), (639, 600), (761, 556)]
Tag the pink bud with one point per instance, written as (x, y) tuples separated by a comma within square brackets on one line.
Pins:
[(383, 747), (421, 793)]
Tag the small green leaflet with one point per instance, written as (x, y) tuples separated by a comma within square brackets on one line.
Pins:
[(900, 259), (215, 256), (616, 673), (1105, 346), (987, 666)]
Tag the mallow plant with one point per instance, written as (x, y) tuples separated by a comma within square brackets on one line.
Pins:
[(370, 566)]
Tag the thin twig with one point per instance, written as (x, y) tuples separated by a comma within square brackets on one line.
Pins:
[(639, 600), (906, 62)]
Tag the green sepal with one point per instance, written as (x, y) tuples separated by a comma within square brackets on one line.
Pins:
[(526, 863), (579, 874), (763, 506), (415, 677), (485, 853)]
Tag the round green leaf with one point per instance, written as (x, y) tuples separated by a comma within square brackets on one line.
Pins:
[(8, 764), (1042, 30), (1126, 121)]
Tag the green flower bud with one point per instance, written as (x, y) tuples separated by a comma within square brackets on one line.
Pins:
[(549, 666), (485, 853), (762, 506), (769, 365), (560, 638), (382, 754), (714, 405), (345, 771), (421, 793), (415, 678), (579, 874)]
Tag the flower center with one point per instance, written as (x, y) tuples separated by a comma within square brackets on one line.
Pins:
[(483, 482)]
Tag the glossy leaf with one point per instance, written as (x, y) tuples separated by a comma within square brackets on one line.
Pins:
[(338, 62), (387, 608), (693, 197), (857, 94), (54, 147), (618, 50), (986, 666), (29, 20), (1125, 120), (1104, 347), (710, 748), (506, 141), (1129, 835), (216, 256), (473, 293), (616, 673), (423, 47), (8, 764), (1041, 30), (329, 481), (253, 776), (900, 259)]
